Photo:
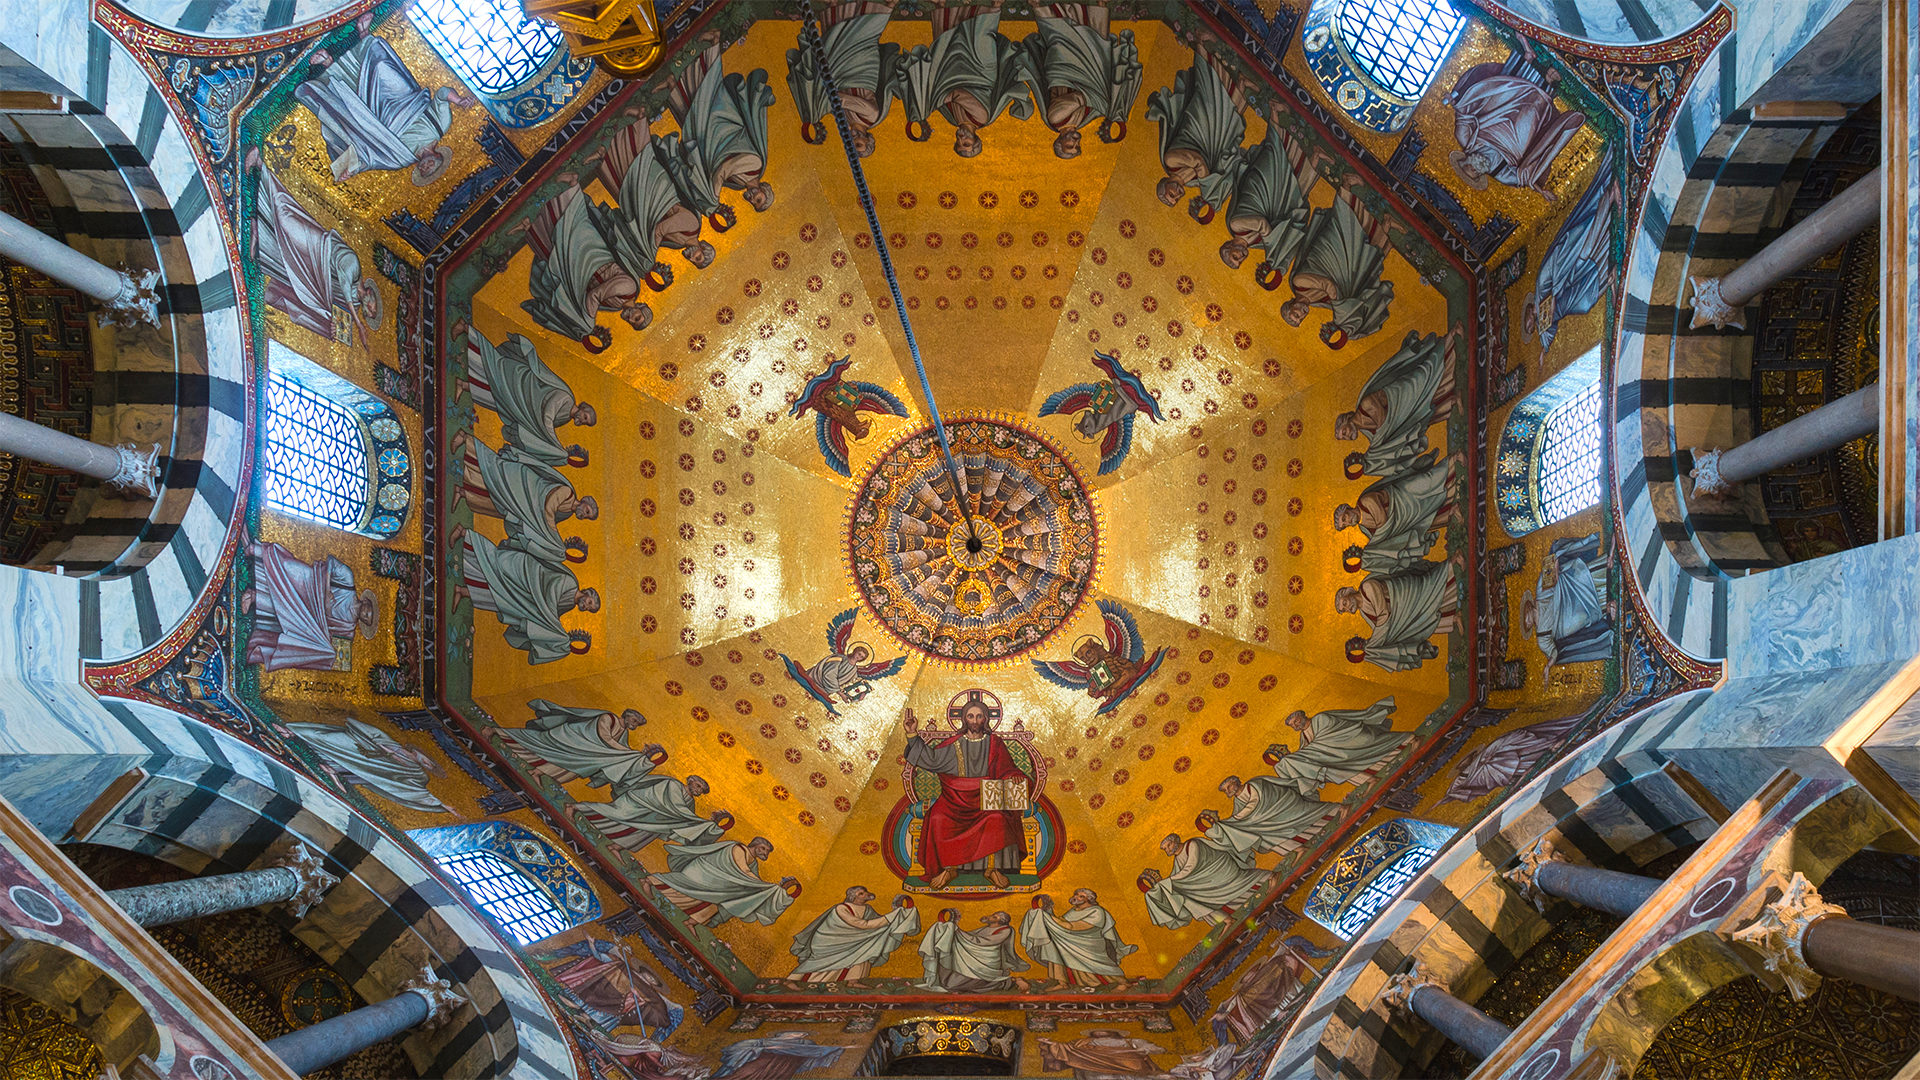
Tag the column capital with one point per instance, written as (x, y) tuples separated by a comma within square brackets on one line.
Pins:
[(442, 1000), (139, 470), (1710, 308), (1400, 988), (313, 879), (1706, 473), (1522, 876), (137, 302), (1777, 934)]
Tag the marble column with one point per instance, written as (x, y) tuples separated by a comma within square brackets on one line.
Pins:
[(1545, 873), (1426, 997), (1718, 301), (298, 880), (1799, 938), (427, 1001), (127, 298), (1826, 428), (134, 471)]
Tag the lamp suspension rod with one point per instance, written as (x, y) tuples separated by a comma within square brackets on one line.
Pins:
[(810, 27)]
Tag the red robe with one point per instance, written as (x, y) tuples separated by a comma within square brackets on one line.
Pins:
[(957, 831)]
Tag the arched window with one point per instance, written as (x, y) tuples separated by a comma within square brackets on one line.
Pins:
[(528, 886), (1550, 453), (334, 453), (1375, 58), (1371, 872), (491, 44)]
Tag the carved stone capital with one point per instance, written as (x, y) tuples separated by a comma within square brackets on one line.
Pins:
[(1706, 474), (1711, 309), (1780, 931), (137, 303), (1400, 988), (1523, 876), (442, 999), (139, 470), (313, 879)]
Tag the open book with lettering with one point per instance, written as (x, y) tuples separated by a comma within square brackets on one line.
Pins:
[(1008, 794)]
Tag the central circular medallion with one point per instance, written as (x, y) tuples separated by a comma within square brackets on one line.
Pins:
[(976, 576)]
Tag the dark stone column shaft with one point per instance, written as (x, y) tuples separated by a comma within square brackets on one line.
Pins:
[(1604, 890), (1474, 1031), (1866, 953), (320, 1045), (178, 901)]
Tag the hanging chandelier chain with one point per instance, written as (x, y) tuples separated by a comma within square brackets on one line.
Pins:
[(810, 28)]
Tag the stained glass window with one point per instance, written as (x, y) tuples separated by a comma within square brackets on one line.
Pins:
[(493, 45), (521, 909), (1400, 44), (316, 464), (1570, 456), (1371, 872)]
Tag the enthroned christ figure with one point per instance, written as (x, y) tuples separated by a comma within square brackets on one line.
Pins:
[(960, 833)]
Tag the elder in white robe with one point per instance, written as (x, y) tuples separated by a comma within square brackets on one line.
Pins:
[(716, 882), (374, 115), (723, 128), (1576, 267), (656, 181), (1404, 610), (850, 939), (528, 596), (1269, 210), (970, 75), (532, 401), (1209, 880), (530, 497), (363, 755), (589, 744), (1567, 610), (1083, 948), (1339, 268), (575, 275), (1079, 70), (298, 608), (311, 272), (1407, 394), (970, 961), (866, 70), (1399, 515), (1269, 814), (1338, 744), (653, 807), (1201, 124)]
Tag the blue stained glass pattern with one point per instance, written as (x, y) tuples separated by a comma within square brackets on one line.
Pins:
[(1570, 456), (1371, 872), (1400, 44), (316, 464), (492, 44), (520, 907), (393, 462)]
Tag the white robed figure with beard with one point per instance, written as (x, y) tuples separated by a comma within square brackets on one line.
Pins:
[(1566, 611), (363, 755), (531, 498), (1209, 881), (717, 882), (1269, 210), (1083, 948), (866, 70), (971, 75), (971, 961), (1403, 610), (1202, 120), (648, 806), (311, 272), (1268, 814), (375, 115), (1336, 745), (1340, 266), (723, 130), (655, 189), (575, 275), (527, 595), (1400, 516), (531, 399), (1407, 394), (1079, 70), (569, 743), (1577, 265), (850, 939)]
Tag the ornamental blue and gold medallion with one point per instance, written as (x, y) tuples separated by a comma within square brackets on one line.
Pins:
[(986, 575)]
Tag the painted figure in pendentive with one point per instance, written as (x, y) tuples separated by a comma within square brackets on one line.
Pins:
[(1080, 70), (850, 939), (528, 596), (1403, 610), (570, 743), (1210, 880), (299, 608), (362, 755), (1507, 758), (648, 806), (644, 1058), (1102, 1055), (1267, 991), (960, 834), (1506, 123), (1336, 745), (1341, 260), (1567, 610), (1107, 406), (848, 671), (575, 274), (837, 403), (866, 71), (720, 881), (1409, 393), (970, 75), (532, 401), (785, 1054), (653, 189), (1081, 949), (616, 988), (375, 115), (1401, 517), (1576, 267), (971, 961), (1110, 667), (532, 498), (1202, 120), (1268, 814), (1269, 208), (723, 134), (311, 272)]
